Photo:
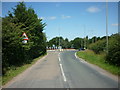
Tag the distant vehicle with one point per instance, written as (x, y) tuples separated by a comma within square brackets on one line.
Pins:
[(81, 49)]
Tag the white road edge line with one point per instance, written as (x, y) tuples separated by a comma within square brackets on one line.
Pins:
[(63, 73), (76, 55), (79, 58)]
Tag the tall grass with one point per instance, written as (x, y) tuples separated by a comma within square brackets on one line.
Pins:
[(99, 60)]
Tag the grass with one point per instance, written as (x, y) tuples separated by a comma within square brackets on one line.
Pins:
[(14, 72), (99, 60), (0, 81)]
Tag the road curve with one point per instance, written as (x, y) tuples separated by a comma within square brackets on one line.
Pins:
[(81, 75), (61, 69)]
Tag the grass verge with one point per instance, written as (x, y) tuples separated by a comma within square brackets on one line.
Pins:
[(99, 60), (14, 72)]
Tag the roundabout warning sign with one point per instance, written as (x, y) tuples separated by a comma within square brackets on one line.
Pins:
[(25, 38)]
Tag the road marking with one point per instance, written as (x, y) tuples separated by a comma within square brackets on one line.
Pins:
[(76, 55), (61, 68), (80, 59), (63, 73), (59, 59), (83, 61)]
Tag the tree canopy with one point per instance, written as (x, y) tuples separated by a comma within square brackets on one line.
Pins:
[(21, 20)]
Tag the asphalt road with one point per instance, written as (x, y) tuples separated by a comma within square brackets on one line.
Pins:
[(80, 74), (63, 70)]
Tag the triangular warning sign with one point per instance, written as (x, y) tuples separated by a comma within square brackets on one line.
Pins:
[(25, 36)]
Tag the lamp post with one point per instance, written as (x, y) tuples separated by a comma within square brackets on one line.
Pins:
[(107, 26), (59, 40), (84, 36)]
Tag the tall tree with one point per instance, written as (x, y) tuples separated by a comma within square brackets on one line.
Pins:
[(22, 19), (77, 43)]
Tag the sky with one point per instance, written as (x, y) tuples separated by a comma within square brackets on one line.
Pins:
[(73, 19)]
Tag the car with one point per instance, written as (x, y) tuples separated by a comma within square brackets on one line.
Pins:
[(81, 49)]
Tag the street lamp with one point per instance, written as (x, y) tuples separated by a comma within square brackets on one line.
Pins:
[(84, 36), (59, 41), (107, 25)]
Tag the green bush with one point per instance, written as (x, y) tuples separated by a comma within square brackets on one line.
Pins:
[(98, 46), (113, 55)]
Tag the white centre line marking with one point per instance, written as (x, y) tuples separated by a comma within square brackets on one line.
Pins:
[(63, 73), (59, 59), (62, 68)]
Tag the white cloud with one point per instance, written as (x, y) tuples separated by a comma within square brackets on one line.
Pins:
[(48, 18), (52, 18), (65, 17), (43, 18), (93, 9), (115, 24)]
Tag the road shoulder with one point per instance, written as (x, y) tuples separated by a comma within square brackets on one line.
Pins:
[(99, 69), (17, 77)]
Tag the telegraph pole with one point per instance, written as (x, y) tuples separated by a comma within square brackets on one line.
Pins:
[(59, 38), (107, 26), (84, 37), (81, 43), (92, 36)]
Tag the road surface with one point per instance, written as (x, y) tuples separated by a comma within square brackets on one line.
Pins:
[(62, 69)]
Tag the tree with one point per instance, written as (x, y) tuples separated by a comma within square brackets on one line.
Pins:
[(78, 43), (12, 51), (113, 56), (15, 53), (53, 41), (98, 46), (64, 43)]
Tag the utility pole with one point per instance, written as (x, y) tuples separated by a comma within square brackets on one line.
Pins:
[(107, 26), (56, 44), (81, 43), (84, 37), (92, 35), (95, 36), (59, 38)]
